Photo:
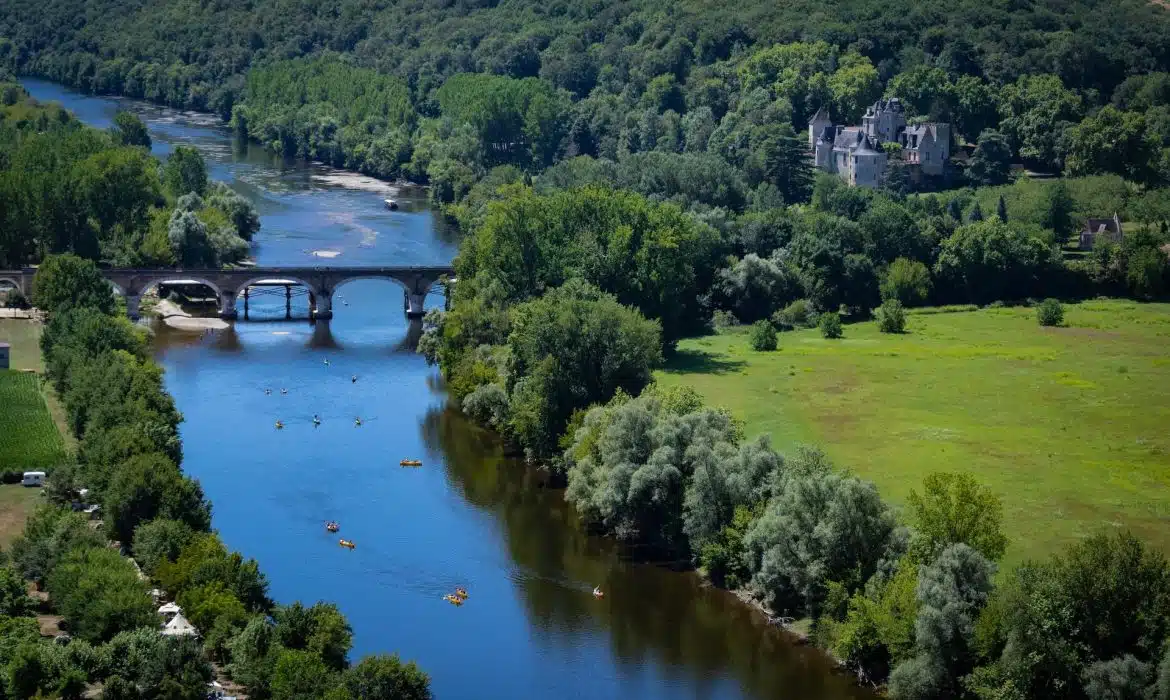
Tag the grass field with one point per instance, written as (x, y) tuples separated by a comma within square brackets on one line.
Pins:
[(28, 437), (16, 504), (25, 337), (1069, 426)]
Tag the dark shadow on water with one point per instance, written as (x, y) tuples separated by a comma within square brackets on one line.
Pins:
[(701, 362)]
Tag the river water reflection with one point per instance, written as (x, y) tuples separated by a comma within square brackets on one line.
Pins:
[(469, 517)]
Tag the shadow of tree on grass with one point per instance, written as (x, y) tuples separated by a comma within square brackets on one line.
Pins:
[(700, 362)]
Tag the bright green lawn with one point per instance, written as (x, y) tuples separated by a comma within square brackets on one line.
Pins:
[(25, 337), (1070, 426), (28, 437)]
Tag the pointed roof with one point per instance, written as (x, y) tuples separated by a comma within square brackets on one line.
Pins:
[(866, 148), (170, 609), (179, 627), (822, 115)]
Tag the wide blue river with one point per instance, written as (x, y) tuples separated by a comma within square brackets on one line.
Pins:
[(469, 517)]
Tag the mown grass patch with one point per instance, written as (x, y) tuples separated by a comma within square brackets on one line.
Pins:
[(1069, 425), (29, 439)]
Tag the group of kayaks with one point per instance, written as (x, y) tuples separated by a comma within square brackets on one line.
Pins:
[(456, 598)]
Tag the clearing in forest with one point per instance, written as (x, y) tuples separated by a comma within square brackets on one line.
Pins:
[(1070, 426)]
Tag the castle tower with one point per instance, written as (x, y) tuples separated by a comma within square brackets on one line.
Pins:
[(816, 126)]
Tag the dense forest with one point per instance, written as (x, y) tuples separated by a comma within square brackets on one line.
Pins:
[(69, 188), (128, 461), (1079, 86)]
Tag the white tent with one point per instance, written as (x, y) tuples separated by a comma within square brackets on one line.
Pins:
[(170, 609), (179, 627)]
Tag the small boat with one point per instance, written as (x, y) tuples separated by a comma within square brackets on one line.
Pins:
[(326, 361), (357, 422), (279, 425), (411, 463), (391, 204), (353, 379), (346, 543), (597, 592), (284, 391), (316, 420), (461, 593), (453, 599), (268, 392), (332, 527)]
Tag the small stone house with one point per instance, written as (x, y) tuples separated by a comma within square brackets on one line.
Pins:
[(1110, 229)]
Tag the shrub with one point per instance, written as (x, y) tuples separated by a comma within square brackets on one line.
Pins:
[(831, 325), (1050, 313), (763, 336), (724, 319), (798, 314), (891, 317)]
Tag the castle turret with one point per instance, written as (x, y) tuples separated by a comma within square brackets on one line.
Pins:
[(816, 126)]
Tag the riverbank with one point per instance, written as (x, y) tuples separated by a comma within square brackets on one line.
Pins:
[(175, 317)]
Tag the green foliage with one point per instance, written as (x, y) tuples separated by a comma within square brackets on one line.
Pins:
[(49, 534), (878, 631), (185, 172), (955, 509), (206, 560), (1050, 312), (753, 287), (830, 325), (299, 675), (992, 160), (630, 468), (129, 130), (1103, 598), (66, 281), (99, 592), (891, 317), (907, 281), (951, 592), (822, 526), (148, 487), (762, 336), (320, 629), (572, 347), (386, 676), (14, 601), (723, 557), (991, 260), (798, 314), (160, 541)]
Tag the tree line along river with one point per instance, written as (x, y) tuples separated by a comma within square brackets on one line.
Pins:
[(469, 517)]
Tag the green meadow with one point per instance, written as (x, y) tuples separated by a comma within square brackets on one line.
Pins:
[(1069, 425)]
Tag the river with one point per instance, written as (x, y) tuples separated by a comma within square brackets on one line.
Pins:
[(468, 517)]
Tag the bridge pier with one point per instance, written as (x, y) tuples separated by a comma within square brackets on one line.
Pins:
[(133, 302), (323, 306), (413, 304), (227, 306)]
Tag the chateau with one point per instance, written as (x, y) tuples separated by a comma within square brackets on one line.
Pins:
[(856, 153)]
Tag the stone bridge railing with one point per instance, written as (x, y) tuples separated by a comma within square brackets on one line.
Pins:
[(228, 284)]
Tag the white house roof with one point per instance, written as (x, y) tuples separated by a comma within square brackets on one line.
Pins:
[(170, 609)]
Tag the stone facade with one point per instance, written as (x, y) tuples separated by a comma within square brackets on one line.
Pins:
[(856, 152)]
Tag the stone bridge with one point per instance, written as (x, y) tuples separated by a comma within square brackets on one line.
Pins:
[(320, 282)]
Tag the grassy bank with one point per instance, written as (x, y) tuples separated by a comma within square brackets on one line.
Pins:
[(16, 504), (1067, 425)]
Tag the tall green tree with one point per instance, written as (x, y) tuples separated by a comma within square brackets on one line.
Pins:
[(129, 130), (185, 172), (63, 282)]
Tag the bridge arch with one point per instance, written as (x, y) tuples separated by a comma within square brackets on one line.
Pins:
[(416, 287), (14, 281), (180, 278)]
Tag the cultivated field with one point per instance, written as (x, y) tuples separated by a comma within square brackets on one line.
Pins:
[(1070, 426), (28, 437)]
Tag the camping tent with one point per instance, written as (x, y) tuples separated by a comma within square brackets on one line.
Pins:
[(179, 627), (170, 609)]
